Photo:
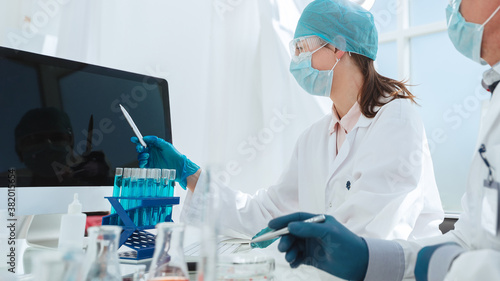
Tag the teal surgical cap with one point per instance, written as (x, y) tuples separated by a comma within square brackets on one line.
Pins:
[(344, 24)]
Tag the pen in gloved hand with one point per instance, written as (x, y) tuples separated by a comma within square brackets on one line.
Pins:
[(284, 231)]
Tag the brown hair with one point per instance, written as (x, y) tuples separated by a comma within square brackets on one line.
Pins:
[(376, 87)]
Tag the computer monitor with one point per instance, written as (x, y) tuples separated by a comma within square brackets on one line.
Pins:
[(63, 131)]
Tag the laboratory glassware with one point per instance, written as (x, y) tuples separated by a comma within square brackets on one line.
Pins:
[(134, 192), (50, 265), (245, 268), (126, 190), (155, 211), (168, 259), (117, 186), (101, 263)]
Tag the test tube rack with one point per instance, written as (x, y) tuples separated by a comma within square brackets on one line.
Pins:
[(134, 236)]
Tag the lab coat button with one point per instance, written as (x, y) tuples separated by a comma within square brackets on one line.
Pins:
[(330, 205)]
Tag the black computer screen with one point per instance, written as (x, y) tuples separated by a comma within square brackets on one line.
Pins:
[(61, 123)]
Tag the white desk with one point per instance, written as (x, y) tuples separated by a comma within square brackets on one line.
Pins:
[(24, 253)]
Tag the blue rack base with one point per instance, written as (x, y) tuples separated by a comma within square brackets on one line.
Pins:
[(134, 236)]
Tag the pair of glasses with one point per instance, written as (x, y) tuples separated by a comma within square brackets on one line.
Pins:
[(303, 46)]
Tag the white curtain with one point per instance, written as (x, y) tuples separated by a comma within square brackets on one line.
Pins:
[(255, 109), (234, 104)]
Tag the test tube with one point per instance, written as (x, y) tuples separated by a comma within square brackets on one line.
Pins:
[(139, 192), (148, 191), (133, 187), (165, 178), (163, 192), (117, 186), (171, 184), (125, 192), (155, 216)]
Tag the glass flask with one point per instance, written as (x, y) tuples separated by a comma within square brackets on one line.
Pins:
[(57, 265), (245, 268), (102, 259), (168, 259)]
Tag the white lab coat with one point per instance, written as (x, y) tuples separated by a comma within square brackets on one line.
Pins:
[(386, 159), (470, 231)]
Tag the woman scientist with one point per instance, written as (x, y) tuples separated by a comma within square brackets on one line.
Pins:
[(367, 163)]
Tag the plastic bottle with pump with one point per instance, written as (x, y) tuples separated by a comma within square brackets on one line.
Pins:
[(72, 226)]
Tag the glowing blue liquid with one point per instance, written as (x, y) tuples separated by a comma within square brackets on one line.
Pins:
[(169, 190), (132, 203), (116, 193), (162, 192), (146, 212), (125, 193), (155, 215)]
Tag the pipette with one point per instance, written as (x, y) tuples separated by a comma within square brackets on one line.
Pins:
[(132, 124), (284, 231)]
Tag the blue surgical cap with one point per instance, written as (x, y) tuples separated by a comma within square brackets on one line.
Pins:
[(344, 24)]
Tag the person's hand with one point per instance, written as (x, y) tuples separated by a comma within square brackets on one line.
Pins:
[(424, 258), (329, 246), (263, 244), (162, 154)]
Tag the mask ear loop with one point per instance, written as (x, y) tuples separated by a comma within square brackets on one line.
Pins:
[(335, 64), (336, 61), (492, 15)]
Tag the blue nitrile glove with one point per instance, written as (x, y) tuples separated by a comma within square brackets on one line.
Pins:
[(329, 246), (162, 154), (424, 258), (263, 244)]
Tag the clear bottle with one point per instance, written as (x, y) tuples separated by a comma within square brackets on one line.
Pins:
[(72, 228), (101, 262), (168, 259)]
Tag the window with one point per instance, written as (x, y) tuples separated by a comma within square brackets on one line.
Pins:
[(414, 46)]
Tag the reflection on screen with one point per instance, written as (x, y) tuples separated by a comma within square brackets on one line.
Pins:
[(61, 120)]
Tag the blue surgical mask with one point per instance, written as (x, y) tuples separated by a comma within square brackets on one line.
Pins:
[(315, 82), (466, 36)]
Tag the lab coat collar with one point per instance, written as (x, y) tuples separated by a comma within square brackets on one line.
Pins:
[(346, 147), (489, 119), (348, 122), (363, 121), (491, 76)]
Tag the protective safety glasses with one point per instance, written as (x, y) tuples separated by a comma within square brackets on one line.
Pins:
[(305, 46)]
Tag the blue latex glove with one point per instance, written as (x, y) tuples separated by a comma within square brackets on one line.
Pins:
[(162, 154), (329, 246), (263, 244), (424, 258)]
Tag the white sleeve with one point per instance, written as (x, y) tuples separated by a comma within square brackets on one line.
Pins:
[(385, 262), (475, 265), (411, 249), (244, 214), (390, 175), (395, 260)]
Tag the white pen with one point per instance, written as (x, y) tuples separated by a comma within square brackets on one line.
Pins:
[(284, 231), (134, 127)]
